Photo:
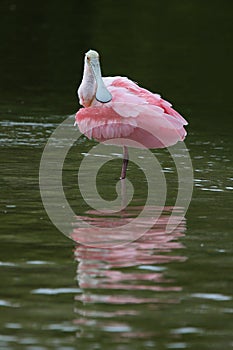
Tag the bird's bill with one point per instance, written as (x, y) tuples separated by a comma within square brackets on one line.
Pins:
[(102, 94)]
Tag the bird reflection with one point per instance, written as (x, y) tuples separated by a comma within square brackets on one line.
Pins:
[(115, 281)]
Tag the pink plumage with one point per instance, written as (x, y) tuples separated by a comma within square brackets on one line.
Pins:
[(118, 111), (133, 113)]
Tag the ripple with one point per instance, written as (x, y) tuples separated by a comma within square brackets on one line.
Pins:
[(12, 325), (7, 303), (117, 328), (7, 338), (39, 262), (186, 330), (212, 296), (24, 133), (152, 268), (60, 327), (33, 124), (55, 291), (5, 263), (176, 346), (212, 189)]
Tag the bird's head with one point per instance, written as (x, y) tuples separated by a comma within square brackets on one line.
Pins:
[(91, 56), (92, 85)]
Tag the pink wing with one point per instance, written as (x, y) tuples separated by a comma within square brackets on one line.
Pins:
[(135, 116)]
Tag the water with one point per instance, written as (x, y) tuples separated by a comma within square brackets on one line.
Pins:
[(162, 291)]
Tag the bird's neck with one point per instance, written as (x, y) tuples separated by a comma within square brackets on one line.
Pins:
[(87, 88)]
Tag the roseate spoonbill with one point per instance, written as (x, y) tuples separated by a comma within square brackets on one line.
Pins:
[(117, 110)]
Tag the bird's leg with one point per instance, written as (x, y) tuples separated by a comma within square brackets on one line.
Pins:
[(125, 162)]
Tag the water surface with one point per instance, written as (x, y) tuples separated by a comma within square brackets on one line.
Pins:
[(162, 291)]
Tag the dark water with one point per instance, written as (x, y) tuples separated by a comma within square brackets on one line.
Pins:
[(162, 291)]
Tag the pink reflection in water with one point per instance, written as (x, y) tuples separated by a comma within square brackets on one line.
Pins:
[(101, 268), (117, 281), (155, 221)]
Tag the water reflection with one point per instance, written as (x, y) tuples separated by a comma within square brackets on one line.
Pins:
[(124, 277)]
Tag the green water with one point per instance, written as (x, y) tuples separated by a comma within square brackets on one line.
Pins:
[(161, 291)]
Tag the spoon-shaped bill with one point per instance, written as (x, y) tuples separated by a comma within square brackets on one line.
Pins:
[(102, 94)]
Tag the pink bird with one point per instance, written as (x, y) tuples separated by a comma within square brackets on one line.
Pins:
[(120, 112)]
